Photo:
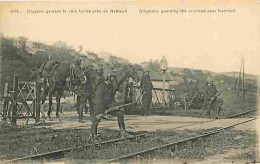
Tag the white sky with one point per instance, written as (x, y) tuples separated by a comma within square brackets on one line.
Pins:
[(211, 41)]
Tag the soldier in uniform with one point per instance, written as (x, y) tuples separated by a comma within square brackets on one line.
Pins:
[(211, 101), (80, 89), (146, 89), (104, 88), (89, 73)]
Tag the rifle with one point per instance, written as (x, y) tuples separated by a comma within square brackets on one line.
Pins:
[(216, 95), (114, 108)]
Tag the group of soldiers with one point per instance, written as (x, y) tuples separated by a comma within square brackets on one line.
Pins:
[(84, 82)]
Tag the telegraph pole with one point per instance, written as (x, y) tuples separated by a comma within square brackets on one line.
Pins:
[(238, 81), (243, 82), (234, 81)]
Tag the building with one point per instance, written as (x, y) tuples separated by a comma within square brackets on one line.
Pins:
[(111, 59), (34, 47)]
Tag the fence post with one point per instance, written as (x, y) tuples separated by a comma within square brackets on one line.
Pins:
[(1, 84), (38, 102), (15, 93), (5, 102)]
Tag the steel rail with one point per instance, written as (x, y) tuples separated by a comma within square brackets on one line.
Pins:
[(240, 114), (60, 153), (232, 116), (128, 156)]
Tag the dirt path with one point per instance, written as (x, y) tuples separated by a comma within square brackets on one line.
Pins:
[(166, 123), (152, 123)]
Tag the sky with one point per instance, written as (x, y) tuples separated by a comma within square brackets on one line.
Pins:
[(208, 41)]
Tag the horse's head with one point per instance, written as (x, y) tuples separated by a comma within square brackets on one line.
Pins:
[(133, 74)]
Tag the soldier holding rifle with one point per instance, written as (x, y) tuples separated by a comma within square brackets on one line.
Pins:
[(212, 99), (105, 101)]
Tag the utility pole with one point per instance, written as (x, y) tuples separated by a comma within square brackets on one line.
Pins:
[(234, 81), (243, 82), (238, 81)]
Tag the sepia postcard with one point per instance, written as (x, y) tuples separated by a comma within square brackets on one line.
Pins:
[(129, 81)]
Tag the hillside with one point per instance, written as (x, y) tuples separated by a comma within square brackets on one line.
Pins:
[(229, 74)]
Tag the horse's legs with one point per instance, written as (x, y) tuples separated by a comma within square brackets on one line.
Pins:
[(94, 126), (58, 97), (44, 95), (82, 104), (50, 103), (120, 120)]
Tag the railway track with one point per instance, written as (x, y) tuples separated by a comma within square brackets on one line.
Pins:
[(60, 153), (152, 150), (228, 117)]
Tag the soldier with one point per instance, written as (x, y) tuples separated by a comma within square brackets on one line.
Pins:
[(105, 90), (81, 87), (211, 101), (89, 73), (146, 89)]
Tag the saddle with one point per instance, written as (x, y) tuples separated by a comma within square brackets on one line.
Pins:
[(47, 70)]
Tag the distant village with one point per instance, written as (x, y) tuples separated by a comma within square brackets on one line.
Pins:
[(182, 78)]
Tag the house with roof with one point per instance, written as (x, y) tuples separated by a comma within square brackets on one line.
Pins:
[(171, 81)]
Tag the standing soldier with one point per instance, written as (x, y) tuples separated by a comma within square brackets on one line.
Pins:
[(89, 73), (211, 101), (104, 88), (80, 90), (146, 89)]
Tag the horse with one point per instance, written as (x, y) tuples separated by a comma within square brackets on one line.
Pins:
[(57, 75)]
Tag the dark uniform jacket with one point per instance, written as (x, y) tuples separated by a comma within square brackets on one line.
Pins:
[(146, 84), (210, 91)]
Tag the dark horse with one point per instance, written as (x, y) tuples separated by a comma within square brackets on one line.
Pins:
[(57, 74)]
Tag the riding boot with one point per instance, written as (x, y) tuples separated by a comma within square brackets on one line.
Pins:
[(91, 110), (120, 121), (219, 109), (81, 115), (86, 109), (208, 111), (94, 129)]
